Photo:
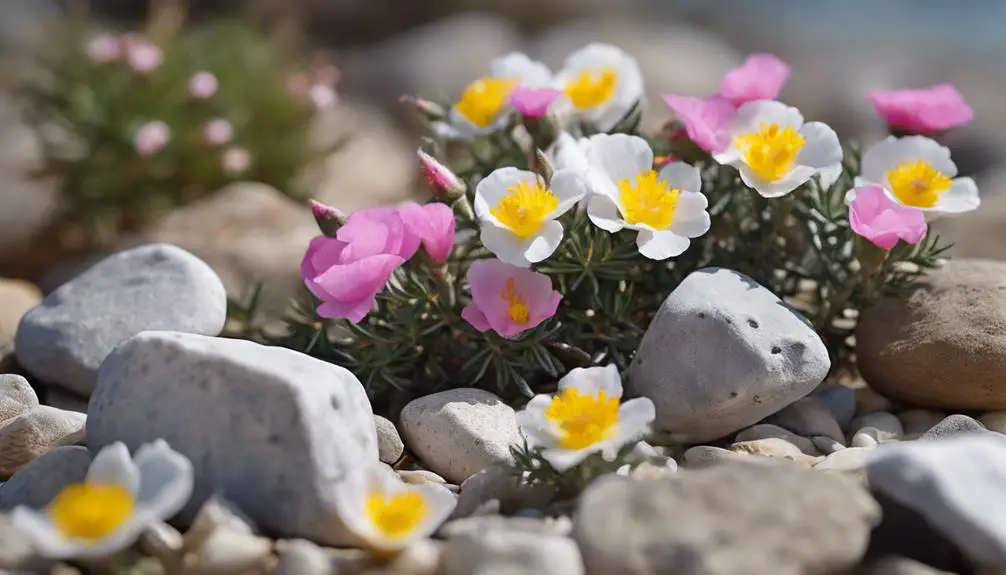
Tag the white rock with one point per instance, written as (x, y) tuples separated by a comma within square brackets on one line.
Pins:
[(389, 442), (459, 432), (769, 431), (866, 437), (29, 435), (851, 461), (956, 484), (503, 551), (227, 552), (271, 430), (723, 353), (301, 557), (559, 526), (886, 425), (702, 456), (16, 396), (809, 416)]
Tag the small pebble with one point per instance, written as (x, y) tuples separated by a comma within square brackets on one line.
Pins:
[(827, 445), (887, 426), (16, 396), (389, 443), (769, 431), (301, 557), (774, 447), (702, 456), (866, 437), (808, 417), (840, 401)]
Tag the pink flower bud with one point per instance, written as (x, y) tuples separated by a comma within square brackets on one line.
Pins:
[(104, 49), (322, 96), (217, 132), (440, 176), (705, 119), (143, 56), (879, 219), (533, 102), (151, 138), (923, 112), (203, 85), (430, 110), (236, 161), (324, 211)]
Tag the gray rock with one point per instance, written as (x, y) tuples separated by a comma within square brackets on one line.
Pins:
[(505, 552), (769, 431), (723, 353), (994, 421), (893, 565), (269, 429), (809, 416), (826, 444), (26, 437), (389, 444), (16, 396), (869, 401), (37, 483), (558, 526), (956, 424), (153, 287), (301, 557), (459, 432), (918, 421), (497, 483), (956, 484), (713, 521), (886, 426), (840, 401)]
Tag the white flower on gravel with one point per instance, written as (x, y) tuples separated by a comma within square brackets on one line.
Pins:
[(584, 417), (484, 105), (665, 208), (387, 513), (600, 84), (118, 500), (775, 151), (517, 211), (917, 172)]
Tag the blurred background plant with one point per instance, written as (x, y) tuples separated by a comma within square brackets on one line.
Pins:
[(132, 125)]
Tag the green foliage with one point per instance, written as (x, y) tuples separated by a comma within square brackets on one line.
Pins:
[(87, 114)]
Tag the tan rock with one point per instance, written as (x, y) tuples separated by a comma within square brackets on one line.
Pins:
[(26, 437), (16, 397), (774, 447), (943, 346), (16, 297)]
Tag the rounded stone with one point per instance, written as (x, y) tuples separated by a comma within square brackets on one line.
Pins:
[(26, 437), (16, 298), (37, 483), (16, 396), (389, 443)]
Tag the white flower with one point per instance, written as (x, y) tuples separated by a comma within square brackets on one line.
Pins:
[(569, 153), (916, 171), (518, 212), (666, 208), (387, 513), (484, 106), (775, 151), (601, 84), (584, 417), (119, 499)]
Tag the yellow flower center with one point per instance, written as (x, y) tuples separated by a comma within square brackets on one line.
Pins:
[(91, 511), (525, 207), (516, 306), (918, 183), (483, 99), (396, 516), (771, 151), (648, 200), (591, 88), (583, 419)]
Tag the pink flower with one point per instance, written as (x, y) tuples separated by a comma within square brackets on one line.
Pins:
[(322, 96), (760, 77), (705, 119), (882, 221), (379, 229), (104, 49), (236, 161), (533, 102), (433, 224), (203, 85), (346, 281), (143, 56), (151, 138), (508, 299), (438, 175), (924, 111), (217, 132)]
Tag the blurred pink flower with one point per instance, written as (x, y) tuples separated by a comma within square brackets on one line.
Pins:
[(346, 281), (438, 175), (434, 225), (328, 75), (218, 132), (508, 299), (203, 85), (151, 138), (103, 49), (235, 161), (760, 77), (143, 56), (924, 111), (705, 119), (322, 96), (879, 219), (533, 102), (378, 229)]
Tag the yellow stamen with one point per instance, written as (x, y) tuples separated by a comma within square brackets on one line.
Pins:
[(771, 151), (516, 306), (525, 207), (591, 89), (583, 419), (648, 200), (483, 99), (91, 511), (918, 183), (396, 516)]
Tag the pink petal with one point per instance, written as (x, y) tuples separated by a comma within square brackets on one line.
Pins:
[(476, 318), (434, 225), (924, 111), (760, 77), (882, 221), (533, 102), (353, 311), (487, 279), (358, 280), (705, 119)]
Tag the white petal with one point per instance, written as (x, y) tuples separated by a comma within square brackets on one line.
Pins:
[(830, 175), (599, 183), (494, 187), (821, 148), (446, 131), (528, 72), (961, 197), (682, 176), (691, 204), (123, 537), (751, 115), (113, 465), (381, 478), (563, 459), (45, 538), (620, 156), (466, 130), (691, 227), (504, 245), (793, 180), (166, 480), (661, 244), (568, 186), (603, 213), (544, 243), (636, 412), (537, 429), (590, 380), (350, 495), (884, 156), (440, 504), (568, 154)]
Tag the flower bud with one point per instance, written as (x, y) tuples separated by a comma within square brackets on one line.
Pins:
[(329, 219), (203, 85), (443, 180), (431, 111)]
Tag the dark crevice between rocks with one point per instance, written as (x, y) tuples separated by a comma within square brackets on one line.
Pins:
[(904, 532)]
